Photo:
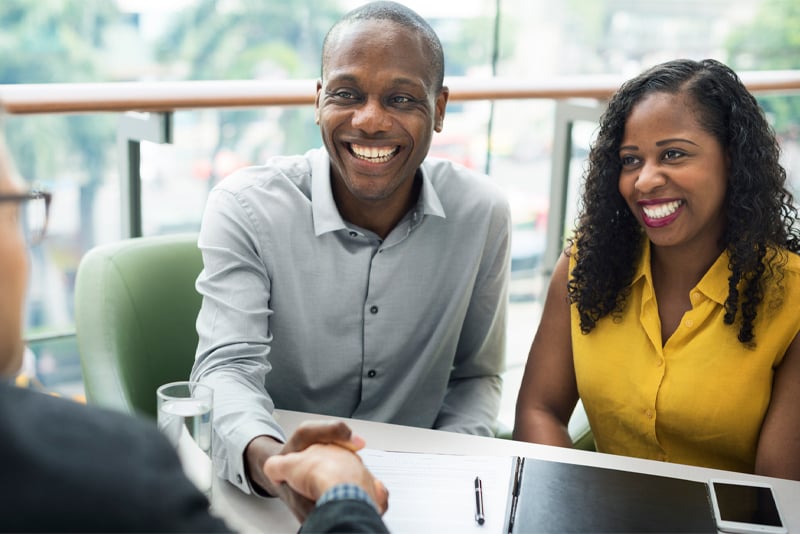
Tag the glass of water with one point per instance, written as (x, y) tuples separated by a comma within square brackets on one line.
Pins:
[(184, 416)]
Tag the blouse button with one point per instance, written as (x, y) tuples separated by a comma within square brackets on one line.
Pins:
[(689, 323), (373, 310), (372, 373)]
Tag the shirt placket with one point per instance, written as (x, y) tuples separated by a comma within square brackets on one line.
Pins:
[(655, 370)]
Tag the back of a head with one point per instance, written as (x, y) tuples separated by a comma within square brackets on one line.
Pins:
[(397, 14)]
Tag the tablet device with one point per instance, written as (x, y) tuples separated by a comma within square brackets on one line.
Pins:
[(745, 507)]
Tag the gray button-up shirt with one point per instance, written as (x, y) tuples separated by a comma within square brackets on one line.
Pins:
[(305, 311)]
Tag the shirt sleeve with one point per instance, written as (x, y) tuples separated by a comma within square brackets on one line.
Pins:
[(345, 492), (233, 331), (472, 401)]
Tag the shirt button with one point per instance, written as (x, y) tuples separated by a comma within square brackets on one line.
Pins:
[(689, 323), (372, 373), (373, 310), (239, 479), (659, 363), (353, 234)]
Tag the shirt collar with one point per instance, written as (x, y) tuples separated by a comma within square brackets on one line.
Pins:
[(429, 200), (323, 207), (713, 285)]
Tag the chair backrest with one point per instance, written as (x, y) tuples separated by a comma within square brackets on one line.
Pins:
[(135, 312)]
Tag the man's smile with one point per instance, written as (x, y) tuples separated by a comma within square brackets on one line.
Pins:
[(373, 154)]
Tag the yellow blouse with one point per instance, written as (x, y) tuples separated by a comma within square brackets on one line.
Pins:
[(701, 398)]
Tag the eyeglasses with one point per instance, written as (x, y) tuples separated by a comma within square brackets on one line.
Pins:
[(34, 213)]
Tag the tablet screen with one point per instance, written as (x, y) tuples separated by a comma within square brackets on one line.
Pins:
[(747, 504)]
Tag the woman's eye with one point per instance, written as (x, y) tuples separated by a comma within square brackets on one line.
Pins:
[(627, 161), (673, 154)]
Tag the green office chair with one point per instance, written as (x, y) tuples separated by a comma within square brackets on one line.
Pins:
[(579, 429), (135, 312)]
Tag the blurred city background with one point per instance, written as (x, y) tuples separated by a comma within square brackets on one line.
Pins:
[(76, 157)]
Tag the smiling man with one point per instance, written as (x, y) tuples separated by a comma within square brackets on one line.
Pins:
[(360, 279)]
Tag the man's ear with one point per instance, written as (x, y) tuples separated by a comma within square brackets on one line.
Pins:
[(441, 105), (316, 101)]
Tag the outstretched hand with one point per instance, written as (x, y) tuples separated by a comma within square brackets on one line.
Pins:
[(316, 469), (307, 434)]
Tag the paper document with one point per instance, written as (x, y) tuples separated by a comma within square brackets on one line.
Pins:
[(436, 492)]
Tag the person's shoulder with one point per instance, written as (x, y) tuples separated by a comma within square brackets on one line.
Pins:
[(91, 469), (450, 178), (785, 274), (73, 419), (791, 269), (290, 169)]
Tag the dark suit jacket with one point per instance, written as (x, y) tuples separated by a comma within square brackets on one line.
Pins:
[(344, 516), (67, 467), (70, 467)]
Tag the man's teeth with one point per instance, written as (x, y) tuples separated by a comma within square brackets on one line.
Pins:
[(662, 210), (373, 154)]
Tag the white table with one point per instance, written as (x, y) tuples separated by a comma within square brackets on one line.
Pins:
[(248, 513)]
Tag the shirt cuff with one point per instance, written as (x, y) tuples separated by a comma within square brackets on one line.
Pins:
[(347, 491)]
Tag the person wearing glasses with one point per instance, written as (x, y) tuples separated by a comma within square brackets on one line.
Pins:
[(71, 467), (673, 314)]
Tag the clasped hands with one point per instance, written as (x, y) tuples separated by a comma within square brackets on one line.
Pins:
[(318, 456)]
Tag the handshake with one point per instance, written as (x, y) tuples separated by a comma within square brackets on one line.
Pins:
[(318, 457)]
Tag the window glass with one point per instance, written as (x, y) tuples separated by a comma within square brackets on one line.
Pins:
[(77, 157)]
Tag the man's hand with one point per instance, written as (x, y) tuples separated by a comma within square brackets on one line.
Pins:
[(260, 449), (318, 468)]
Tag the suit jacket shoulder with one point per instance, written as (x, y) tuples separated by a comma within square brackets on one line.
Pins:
[(75, 467)]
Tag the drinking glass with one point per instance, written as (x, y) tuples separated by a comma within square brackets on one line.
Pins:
[(184, 416)]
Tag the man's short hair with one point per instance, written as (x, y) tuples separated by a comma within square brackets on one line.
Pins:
[(401, 15)]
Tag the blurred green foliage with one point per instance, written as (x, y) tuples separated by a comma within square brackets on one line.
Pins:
[(772, 42)]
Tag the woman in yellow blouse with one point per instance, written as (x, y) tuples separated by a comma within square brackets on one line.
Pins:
[(673, 314)]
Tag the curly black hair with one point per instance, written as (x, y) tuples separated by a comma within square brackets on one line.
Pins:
[(761, 217)]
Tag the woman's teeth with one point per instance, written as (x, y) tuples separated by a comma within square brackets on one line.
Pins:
[(662, 210)]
